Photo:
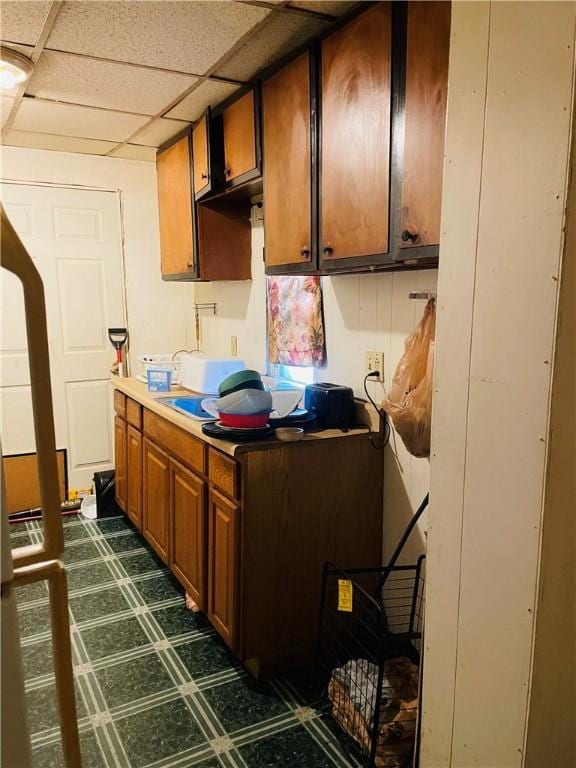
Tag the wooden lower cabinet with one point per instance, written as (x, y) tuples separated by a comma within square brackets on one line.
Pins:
[(188, 531), (120, 433), (223, 543), (157, 497), (134, 475), (248, 535)]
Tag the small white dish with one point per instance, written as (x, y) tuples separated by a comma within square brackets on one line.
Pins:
[(289, 434)]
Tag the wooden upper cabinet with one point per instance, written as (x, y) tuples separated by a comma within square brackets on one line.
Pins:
[(201, 153), (175, 205), (355, 137), (287, 149), (241, 139), (223, 543), (156, 498), (120, 486), (427, 47), (188, 531), (134, 475)]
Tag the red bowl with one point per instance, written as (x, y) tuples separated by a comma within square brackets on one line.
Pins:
[(245, 421)]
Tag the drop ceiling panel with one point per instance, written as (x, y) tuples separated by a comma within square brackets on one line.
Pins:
[(282, 33), (158, 132), (330, 7), (71, 120), (22, 20), (6, 107), (135, 152), (33, 140), (207, 94), (184, 36), (124, 87)]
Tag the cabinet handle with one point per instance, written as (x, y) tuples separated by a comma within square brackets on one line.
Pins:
[(409, 236), (204, 176), (227, 171), (327, 248), (305, 251)]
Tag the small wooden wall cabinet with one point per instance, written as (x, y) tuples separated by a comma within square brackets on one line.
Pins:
[(247, 535), (200, 239)]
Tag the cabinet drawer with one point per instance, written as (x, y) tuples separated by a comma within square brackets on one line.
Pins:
[(120, 403), (223, 473), (133, 413), (183, 446)]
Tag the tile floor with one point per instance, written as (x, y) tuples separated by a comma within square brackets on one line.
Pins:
[(155, 687)]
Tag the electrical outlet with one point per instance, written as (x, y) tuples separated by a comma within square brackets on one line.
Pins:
[(375, 362), (234, 346)]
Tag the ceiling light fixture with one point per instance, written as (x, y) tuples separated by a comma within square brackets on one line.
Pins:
[(15, 68)]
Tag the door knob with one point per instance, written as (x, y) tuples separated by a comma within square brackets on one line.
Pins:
[(408, 236)]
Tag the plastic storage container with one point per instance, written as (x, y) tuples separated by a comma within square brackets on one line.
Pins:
[(201, 373)]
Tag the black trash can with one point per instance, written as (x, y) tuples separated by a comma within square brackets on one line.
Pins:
[(105, 488)]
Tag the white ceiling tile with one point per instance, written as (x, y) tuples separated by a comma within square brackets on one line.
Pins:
[(62, 77), (158, 132), (183, 36), (22, 20), (6, 107), (282, 33), (71, 120), (330, 7), (135, 152), (207, 94), (33, 140)]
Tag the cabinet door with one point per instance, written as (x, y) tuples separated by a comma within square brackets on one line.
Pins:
[(201, 154), (175, 207), (355, 138), (428, 41), (223, 530), (240, 139), (188, 531), (156, 511), (288, 185), (134, 473), (120, 462)]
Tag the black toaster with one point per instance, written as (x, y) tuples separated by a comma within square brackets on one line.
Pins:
[(331, 404)]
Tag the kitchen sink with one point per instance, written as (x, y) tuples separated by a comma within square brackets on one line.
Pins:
[(189, 406)]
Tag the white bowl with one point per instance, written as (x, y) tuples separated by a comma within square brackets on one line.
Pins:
[(244, 402), (284, 401)]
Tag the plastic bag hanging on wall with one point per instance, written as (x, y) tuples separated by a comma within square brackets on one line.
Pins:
[(295, 321), (409, 401)]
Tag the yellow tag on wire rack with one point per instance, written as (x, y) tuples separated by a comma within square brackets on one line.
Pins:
[(345, 595)]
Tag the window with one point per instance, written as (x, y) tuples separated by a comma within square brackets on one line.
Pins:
[(293, 373)]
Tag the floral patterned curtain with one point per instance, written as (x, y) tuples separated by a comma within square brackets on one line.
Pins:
[(295, 321)]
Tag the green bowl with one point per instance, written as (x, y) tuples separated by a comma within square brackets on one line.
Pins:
[(246, 379)]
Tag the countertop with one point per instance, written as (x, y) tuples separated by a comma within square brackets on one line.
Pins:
[(138, 391)]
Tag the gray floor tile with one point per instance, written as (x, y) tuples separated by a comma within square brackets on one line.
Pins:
[(105, 602), (133, 679), (244, 703), (159, 732), (114, 637)]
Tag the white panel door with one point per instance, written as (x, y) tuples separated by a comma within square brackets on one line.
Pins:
[(73, 236)]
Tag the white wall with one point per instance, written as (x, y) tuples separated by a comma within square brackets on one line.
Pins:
[(159, 313), (361, 312), (505, 176)]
